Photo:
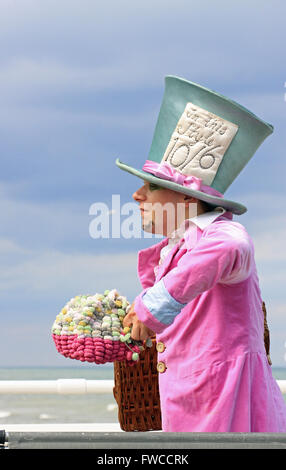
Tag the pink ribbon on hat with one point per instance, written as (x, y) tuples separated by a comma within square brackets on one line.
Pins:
[(167, 172)]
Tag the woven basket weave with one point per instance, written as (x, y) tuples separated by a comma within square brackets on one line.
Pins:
[(136, 392)]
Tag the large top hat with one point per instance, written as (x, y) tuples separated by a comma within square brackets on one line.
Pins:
[(201, 143)]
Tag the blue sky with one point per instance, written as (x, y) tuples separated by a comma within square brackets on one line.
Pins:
[(81, 84)]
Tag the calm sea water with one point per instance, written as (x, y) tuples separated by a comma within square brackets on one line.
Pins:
[(34, 409), (55, 408)]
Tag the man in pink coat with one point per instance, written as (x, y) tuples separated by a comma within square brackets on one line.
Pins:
[(201, 292)]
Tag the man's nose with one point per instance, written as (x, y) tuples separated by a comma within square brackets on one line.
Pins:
[(139, 195)]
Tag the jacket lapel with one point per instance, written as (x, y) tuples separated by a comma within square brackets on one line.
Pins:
[(148, 258), (189, 240), (163, 268)]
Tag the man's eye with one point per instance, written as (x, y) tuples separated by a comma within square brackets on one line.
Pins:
[(153, 186)]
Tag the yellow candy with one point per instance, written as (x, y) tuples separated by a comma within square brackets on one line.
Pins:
[(126, 329), (71, 328), (68, 319), (98, 309), (108, 311), (64, 311), (82, 323), (89, 314), (118, 303)]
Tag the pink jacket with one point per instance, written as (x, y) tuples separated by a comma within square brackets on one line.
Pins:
[(205, 307)]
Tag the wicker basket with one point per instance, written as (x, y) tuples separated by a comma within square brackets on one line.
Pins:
[(136, 389), (136, 392)]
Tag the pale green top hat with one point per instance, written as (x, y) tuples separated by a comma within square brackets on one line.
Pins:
[(203, 134)]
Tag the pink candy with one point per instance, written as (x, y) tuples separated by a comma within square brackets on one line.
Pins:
[(95, 350)]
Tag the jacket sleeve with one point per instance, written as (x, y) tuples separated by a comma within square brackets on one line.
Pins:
[(224, 254)]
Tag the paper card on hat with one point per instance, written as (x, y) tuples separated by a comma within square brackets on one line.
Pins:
[(199, 142)]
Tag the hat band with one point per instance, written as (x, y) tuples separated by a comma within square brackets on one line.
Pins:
[(167, 172)]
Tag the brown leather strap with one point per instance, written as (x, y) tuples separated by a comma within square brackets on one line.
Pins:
[(266, 334)]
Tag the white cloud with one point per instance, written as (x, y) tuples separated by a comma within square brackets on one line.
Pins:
[(52, 271), (9, 247), (266, 224), (269, 240), (35, 224), (34, 75), (28, 120)]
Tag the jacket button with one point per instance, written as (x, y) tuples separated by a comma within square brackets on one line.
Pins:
[(160, 347), (161, 367)]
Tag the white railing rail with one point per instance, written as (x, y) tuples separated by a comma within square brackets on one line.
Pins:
[(69, 386), (59, 386), (282, 385)]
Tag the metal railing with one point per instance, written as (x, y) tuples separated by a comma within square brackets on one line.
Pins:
[(147, 440)]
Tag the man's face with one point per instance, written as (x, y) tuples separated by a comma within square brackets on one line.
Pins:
[(162, 210)]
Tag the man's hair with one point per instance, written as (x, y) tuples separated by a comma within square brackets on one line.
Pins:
[(207, 207)]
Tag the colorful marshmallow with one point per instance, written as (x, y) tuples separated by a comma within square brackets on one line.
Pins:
[(89, 328)]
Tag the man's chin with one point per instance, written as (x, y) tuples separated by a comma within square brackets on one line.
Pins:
[(150, 227)]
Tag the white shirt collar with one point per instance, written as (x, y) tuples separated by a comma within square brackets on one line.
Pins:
[(202, 221)]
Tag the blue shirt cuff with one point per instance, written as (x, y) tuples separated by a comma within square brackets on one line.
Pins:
[(161, 304)]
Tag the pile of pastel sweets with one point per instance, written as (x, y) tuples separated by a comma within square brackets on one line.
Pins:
[(90, 328)]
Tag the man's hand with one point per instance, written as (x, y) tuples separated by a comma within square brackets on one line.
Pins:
[(139, 332)]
